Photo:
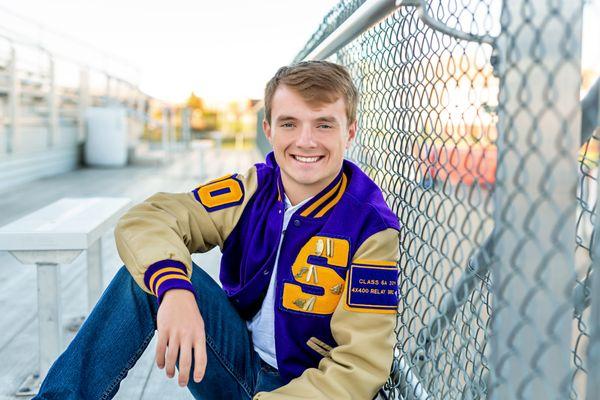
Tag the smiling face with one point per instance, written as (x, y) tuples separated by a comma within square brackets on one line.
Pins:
[(308, 141)]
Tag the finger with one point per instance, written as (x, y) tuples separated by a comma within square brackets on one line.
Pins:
[(161, 348), (185, 362), (172, 353), (199, 360)]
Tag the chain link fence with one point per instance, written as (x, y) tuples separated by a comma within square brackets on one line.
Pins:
[(470, 121)]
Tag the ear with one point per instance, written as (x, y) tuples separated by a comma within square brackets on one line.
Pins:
[(267, 130), (351, 132)]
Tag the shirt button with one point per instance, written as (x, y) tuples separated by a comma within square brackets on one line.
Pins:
[(296, 222), (266, 272)]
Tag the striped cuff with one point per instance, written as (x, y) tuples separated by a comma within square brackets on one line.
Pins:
[(165, 275)]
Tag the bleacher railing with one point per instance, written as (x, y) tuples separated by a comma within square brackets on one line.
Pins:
[(475, 122), (48, 80)]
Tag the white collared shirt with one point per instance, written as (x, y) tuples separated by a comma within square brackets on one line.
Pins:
[(262, 325)]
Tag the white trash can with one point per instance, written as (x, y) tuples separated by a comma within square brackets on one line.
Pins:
[(106, 143)]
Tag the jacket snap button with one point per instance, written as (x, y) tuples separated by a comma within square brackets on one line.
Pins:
[(266, 272), (296, 222)]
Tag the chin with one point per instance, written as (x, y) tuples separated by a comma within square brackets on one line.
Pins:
[(307, 180)]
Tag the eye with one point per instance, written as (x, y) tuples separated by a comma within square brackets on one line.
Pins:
[(287, 125), (325, 126)]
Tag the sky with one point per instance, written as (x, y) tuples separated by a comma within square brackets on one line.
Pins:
[(222, 50)]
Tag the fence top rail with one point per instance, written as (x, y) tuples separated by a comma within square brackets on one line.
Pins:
[(359, 21), (370, 13)]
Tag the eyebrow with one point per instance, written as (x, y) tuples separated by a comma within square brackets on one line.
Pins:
[(285, 118), (325, 118), (328, 118)]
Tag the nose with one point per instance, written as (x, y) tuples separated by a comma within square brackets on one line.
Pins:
[(306, 138)]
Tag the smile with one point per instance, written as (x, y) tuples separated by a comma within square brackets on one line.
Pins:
[(307, 160)]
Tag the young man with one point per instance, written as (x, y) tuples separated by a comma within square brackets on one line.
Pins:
[(309, 272)]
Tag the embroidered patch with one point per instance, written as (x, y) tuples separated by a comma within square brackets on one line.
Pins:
[(317, 288), (372, 287), (220, 193)]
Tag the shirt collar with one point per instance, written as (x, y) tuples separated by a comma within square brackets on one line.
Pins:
[(290, 207), (320, 204)]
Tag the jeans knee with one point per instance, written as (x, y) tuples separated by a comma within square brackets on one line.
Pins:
[(203, 281), (123, 274), (123, 280)]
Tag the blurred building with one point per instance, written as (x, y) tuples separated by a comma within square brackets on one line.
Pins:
[(238, 120)]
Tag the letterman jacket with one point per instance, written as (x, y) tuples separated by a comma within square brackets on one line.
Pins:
[(337, 278)]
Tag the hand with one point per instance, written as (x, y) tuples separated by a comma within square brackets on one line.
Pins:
[(180, 331)]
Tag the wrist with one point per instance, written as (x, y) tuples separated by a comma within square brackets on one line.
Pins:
[(177, 293)]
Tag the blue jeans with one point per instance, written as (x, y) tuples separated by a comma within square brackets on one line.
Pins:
[(121, 325)]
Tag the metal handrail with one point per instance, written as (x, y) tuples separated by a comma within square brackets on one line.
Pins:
[(19, 38), (367, 15), (52, 111), (590, 112), (372, 12), (54, 54)]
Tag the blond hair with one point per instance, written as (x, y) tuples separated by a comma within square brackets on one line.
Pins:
[(318, 82)]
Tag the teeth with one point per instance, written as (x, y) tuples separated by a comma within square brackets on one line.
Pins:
[(307, 159)]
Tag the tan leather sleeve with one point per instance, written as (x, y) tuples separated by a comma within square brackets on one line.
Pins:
[(171, 226), (359, 366)]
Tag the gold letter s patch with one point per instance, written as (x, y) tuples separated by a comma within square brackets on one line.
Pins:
[(336, 252)]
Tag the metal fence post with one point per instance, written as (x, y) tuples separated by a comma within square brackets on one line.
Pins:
[(84, 99), (173, 144), (185, 126), (140, 106), (52, 106), (13, 102), (108, 91), (117, 90), (166, 132), (534, 200), (593, 351)]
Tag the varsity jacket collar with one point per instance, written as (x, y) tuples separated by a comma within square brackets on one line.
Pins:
[(320, 204)]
